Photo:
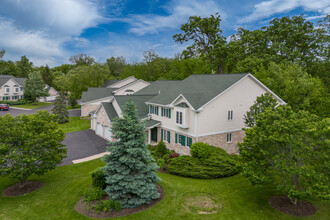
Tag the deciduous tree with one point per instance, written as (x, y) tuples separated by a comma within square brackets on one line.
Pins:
[(289, 149), (35, 87), (30, 144)]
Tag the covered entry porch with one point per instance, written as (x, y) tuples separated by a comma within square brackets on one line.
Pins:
[(152, 128)]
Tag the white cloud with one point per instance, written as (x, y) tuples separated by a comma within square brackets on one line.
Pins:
[(268, 8), (179, 11), (39, 29)]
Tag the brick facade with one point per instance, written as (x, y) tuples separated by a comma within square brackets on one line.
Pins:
[(85, 109), (220, 140)]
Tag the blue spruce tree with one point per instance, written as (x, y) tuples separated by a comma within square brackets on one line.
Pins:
[(130, 170)]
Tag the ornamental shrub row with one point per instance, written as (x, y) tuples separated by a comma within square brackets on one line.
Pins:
[(208, 162)]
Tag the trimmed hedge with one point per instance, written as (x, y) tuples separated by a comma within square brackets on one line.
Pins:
[(218, 164), (19, 102), (200, 150)]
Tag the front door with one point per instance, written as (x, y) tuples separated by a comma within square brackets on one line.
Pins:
[(154, 134)]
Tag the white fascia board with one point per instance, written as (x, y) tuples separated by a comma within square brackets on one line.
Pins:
[(131, 77), (129, 84), (97, 100), (184, 99)]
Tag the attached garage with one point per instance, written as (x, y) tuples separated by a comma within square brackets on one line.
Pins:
[(107, 133), (93, 124), (99, 130)]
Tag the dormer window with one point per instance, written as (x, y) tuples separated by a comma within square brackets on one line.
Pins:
[(182, 115)]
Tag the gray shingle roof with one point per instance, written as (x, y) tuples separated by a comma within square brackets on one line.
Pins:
[(96, 93), (198, 89), (151, 123), (109, 82), (182, 105), (138, 100), (110, 110), (5, 78), (157, 86)]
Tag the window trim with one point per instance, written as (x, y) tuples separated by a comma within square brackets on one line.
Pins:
[(229, 138), (230, 115)]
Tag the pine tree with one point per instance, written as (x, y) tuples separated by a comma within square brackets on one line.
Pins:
[(130, 170), (59, 110)]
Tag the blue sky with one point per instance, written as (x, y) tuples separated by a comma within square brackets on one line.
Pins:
[(49, 32)]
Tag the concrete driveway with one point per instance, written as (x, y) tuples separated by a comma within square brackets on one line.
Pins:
[(83, 144), (15, 112)]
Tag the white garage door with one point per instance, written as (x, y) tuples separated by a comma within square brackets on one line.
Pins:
[(99, 130), (42, 99), (107, 133), (50, 98)]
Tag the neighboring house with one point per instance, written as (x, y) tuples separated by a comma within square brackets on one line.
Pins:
[(11, 88), (91, 99), (52, 94), (206, 108)]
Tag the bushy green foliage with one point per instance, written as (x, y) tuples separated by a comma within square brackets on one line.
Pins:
[(130, 170), (218, 164), (161, 149), (35, 87), (98, 179), (161, 163), (107, 206), (72, 100), (93, 194), (291, 150), (59, 109), (30, 144), (200, 150), (19, 102)]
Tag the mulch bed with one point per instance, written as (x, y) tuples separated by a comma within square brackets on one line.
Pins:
[(81, 207), (283, 204), (28, 187)]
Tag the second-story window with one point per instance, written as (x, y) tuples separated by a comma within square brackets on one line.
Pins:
[(16, 89), (230, 115), (153, 109), (179, 117), (7, 90)]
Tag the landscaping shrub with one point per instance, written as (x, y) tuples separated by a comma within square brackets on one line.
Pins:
[(218, 164), (161, 164), (93, 194), (161, 149), (107, 206), (98, 179), (174, 155), (19, 102), (200, 150)]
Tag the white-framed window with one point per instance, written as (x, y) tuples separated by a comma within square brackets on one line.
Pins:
[(166, 112), (16, 89), (7, 90), (166, 135), (153, 109), (179, 117), (229, 138), (230, 115)]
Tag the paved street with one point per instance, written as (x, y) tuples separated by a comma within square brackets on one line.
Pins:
[(83, 144), (15, 112)]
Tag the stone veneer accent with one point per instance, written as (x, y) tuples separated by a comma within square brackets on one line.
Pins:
[(85, 109), (220, 140), (182, 150), (102, 118)]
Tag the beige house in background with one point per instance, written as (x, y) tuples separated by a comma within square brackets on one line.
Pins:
[(91, 99), (11, 88), (206, 108), (52, 95)]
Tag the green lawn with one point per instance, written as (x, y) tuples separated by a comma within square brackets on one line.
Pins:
[(65, 185), (72, 108), (76, 124), (33, 106)]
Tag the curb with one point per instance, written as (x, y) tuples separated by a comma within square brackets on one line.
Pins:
[(90, 158), (21, 108)]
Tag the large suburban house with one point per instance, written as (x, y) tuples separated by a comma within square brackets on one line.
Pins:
[(205, 108), (91, 99), (11, 88)]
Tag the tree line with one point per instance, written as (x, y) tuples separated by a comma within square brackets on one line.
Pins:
[(290, 56)]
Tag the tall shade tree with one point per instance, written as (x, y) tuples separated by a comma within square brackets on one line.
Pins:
[(130, 170), (116, 65), (59, 110), (148, 57), (35, 87), (260, 105), (29, 144), (207, 40), (2, 52), (291, 150), (25, 66), (82, 59)]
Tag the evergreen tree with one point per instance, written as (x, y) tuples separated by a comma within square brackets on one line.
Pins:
[(130, 170), (35, 87), (60, 111)]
